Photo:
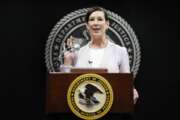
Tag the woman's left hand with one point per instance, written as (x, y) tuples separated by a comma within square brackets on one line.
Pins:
[(135, 95)]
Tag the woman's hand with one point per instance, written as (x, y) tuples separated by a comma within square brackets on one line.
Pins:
[(69, 58), (135, 95)]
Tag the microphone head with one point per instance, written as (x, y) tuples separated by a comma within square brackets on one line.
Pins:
[(90, 62)]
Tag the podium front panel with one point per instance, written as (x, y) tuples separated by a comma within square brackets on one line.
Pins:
[(58, 84)]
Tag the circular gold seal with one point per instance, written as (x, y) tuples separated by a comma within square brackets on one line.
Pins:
[(90, 96)]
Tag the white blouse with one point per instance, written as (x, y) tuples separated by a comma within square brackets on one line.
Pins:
[(96, 55)]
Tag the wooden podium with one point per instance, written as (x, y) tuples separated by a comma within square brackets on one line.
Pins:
[(58, 84)]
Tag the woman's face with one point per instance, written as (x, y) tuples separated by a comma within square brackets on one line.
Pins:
[(97, 24)]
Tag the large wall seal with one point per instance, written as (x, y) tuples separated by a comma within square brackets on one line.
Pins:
[(73, 24)]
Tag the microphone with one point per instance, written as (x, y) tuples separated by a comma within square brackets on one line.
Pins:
[(90, 62)]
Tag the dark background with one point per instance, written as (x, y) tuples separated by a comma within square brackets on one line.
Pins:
[(25, 27)]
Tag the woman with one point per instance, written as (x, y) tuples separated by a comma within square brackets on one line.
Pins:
[(100, 52)]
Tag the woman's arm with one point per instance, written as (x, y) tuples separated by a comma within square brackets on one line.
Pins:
[(125, 68)]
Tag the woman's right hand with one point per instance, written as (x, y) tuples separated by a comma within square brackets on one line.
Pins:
[(69, 58)]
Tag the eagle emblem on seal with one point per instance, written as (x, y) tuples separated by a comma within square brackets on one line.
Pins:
[(86, 96)]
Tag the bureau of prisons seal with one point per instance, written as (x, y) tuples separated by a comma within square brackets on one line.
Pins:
[(90, 96), (73, 24)]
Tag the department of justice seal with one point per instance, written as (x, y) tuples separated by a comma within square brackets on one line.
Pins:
[(90, 96), (73, 24)]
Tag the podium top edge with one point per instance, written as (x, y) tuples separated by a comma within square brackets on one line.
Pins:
[(83, 73)]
